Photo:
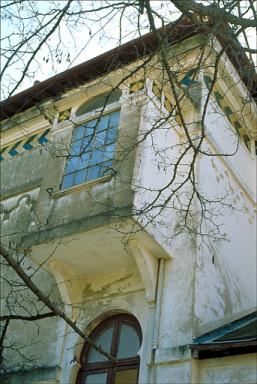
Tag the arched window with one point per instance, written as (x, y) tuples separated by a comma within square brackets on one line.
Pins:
[(121, 336), (93, 143), (99, 102), (92, 150)]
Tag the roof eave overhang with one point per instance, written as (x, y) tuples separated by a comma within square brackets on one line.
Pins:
[(98, 66), (116, 58), (212, 350)]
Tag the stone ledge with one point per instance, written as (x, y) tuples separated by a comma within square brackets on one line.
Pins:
[(78, 187), (173, 354), (75, 226)]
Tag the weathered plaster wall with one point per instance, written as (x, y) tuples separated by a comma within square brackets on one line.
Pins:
[(224, 140), (156, 159), (229, 370), (208, 286), (23, 172), (226, 270), (34, 345), (173, 373)]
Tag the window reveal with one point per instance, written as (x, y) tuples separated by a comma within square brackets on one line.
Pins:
[(92, 150)]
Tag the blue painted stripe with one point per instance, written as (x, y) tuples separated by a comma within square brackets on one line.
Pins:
[(187, 81), (13, 151), (43, 139), (27, 145)]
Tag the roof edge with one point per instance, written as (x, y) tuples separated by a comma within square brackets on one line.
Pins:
[(97, 66), (124, 54)]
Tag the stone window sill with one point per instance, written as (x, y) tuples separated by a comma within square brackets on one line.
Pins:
[(78, 187)]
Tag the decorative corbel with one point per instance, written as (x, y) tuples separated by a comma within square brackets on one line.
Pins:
[(148, 268), (69, 286)]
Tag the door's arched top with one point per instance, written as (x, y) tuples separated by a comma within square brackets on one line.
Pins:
[(120, 336)]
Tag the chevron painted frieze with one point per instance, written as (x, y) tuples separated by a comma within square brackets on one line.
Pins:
[(14, 149), (230, 115), (136, 86), (158, 94)]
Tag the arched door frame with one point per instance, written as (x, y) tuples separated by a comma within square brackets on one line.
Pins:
[(107, 366)]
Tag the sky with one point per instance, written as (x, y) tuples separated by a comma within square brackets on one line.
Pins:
[(86, 41)]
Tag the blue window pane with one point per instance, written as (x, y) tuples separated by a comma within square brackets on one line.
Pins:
[(87, 144), (75, 148), (80, 176), (97, 156), (67, 181), (129, 342), (78, 133), (72, 164), (114, 118), (90, 131), (92, 150), (103, 123), (93, 173), (100, 138), (105, 341), (109, 151), (91, 127), (111, 135), (83, 161), (91, 123)]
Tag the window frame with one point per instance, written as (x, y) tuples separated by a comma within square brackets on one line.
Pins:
[(107, 366), (96, 113), (84, 119)]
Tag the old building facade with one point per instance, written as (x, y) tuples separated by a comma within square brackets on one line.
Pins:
[(81, 165)]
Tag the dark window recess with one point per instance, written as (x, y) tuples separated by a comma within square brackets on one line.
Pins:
[(121, 337), (92, 150)]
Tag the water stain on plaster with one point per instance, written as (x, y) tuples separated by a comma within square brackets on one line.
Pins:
[(89, 291), (228, 295)]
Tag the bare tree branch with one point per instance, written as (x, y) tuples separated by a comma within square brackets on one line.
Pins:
[(40, 295)]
